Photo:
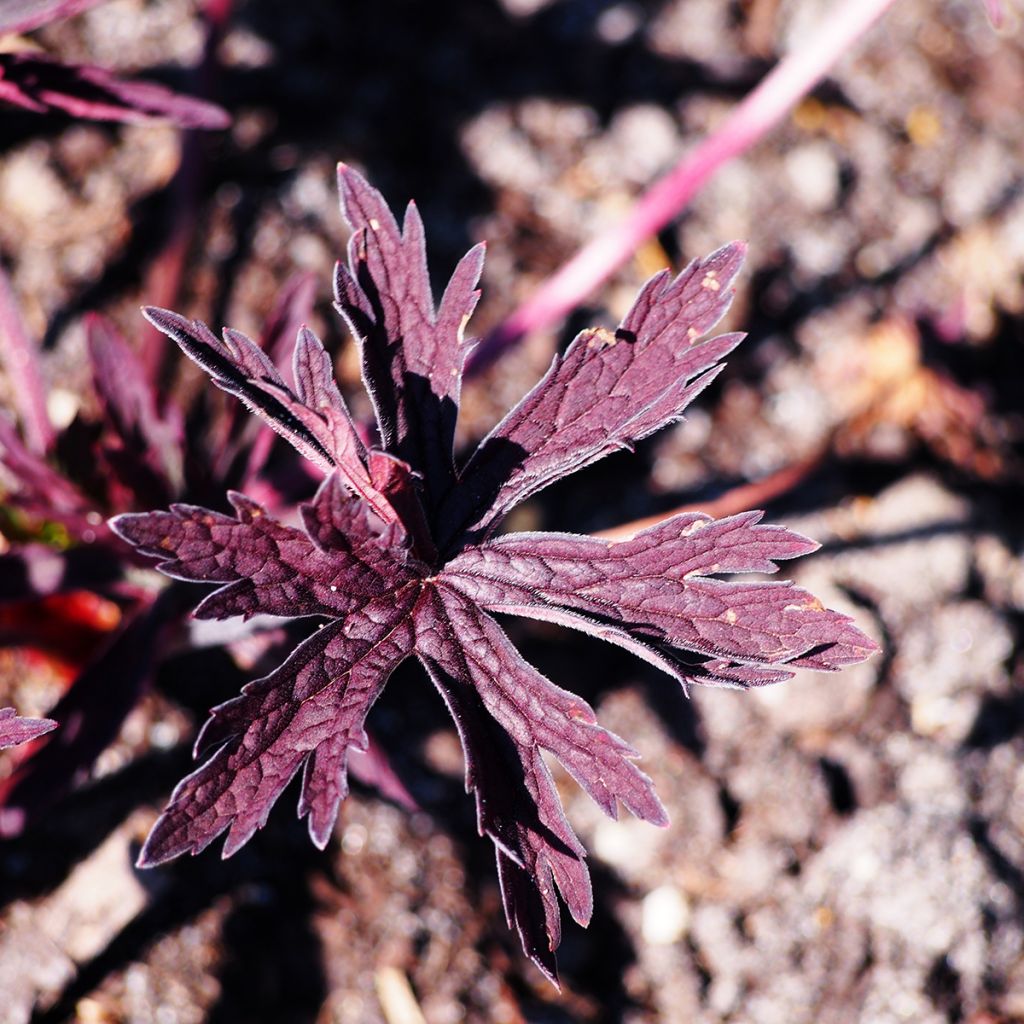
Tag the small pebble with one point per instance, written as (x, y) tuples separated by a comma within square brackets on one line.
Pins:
[(665, 916)]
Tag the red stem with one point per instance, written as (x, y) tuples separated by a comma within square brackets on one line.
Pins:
[(788, 82), (737, 499)]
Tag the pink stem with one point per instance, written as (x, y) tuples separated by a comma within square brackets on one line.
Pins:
[(791, 79), (21, 361), (996, 13)]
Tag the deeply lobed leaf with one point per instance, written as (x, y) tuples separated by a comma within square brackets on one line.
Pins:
[(412, 354), (341, 558), (456, 634), (309, 712), (507, 712), (608, 391), (519, 810), (658, 588), (313, 417)]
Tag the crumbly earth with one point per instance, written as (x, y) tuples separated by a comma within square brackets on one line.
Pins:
[(844, 848)]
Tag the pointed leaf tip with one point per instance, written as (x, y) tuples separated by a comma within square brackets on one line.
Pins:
[(15, 730)]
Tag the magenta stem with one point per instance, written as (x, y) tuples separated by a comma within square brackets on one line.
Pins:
[(996, 13), (788, 82), (21, 361)]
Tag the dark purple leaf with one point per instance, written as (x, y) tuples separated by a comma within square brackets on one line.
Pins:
[(41, 84), (270, 568), (609, 390), (313, 417), (396, 482), (292, 310), (369, 562), (658, 588), (15, 730), (412, 354), (25, 15), (20, 357), (372, 768), (309, 713), (519, 810), (683, 666), (41, 491), (146, 454), (454, 633), (481, 675)]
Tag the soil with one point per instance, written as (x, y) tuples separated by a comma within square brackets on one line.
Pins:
[(843, 848)]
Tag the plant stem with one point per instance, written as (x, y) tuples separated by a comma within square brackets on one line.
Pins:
[(737, 499), (996, 14), (788, 82), (21, 361)]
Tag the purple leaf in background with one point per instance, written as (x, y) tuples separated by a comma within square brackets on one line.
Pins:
[(41, 491), (25, 15), (148, 451), (373, 769), (15, 730), (35, 82), (20, 359), (366, 559)]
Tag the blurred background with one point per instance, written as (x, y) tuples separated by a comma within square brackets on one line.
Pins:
[(844, 848)]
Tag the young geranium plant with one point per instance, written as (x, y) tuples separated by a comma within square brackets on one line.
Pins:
[(397, 554)]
